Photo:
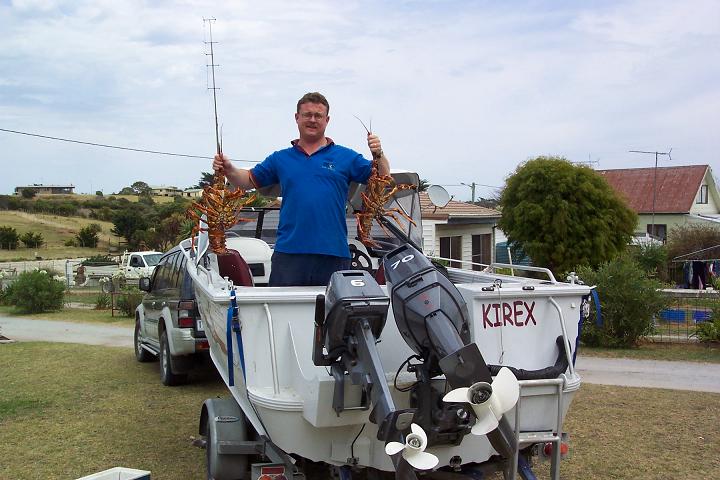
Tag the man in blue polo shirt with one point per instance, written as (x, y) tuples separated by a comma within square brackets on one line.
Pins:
[(314, 175)]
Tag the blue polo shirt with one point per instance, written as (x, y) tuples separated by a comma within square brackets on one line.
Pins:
[(314, 190)]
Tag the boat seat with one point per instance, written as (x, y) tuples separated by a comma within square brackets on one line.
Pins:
[(234, 266)]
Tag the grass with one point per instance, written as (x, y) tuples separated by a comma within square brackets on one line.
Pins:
[(55, 231), (79, 315), (70, 410), (686, 352)]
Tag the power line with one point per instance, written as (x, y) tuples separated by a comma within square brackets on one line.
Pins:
[(154, 152)]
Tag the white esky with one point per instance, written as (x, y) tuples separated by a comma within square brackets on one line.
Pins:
[(459, 91)]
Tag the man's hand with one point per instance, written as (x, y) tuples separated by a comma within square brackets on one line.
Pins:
[(222, 164), (374, 145)]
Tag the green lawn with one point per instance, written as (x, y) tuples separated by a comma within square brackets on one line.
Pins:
[(71, 410), (73, 315)]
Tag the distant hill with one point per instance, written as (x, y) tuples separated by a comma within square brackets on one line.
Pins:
[(56, 230)]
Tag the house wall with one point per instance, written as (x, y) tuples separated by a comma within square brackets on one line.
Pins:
[(431, 243), (712, 207), (671, 220), (465, 231)]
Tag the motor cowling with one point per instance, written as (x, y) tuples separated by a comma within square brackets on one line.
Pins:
[(430, 312)]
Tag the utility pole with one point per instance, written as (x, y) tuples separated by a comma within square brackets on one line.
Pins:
[(472, 189), (652, 225)]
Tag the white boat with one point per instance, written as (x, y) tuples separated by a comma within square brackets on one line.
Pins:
[(319, 375)]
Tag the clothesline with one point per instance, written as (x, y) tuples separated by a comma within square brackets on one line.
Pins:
[(679, 257)]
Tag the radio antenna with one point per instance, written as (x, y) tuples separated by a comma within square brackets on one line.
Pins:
[(214, 89)]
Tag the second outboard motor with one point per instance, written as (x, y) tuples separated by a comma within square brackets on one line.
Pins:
[(349, 319)]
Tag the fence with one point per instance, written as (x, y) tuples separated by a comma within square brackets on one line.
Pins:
[(686, 310)]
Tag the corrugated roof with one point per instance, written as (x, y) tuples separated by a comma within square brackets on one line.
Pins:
[(675, 190), (453, 209)]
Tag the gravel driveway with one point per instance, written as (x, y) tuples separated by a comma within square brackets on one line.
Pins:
[(701, 377), (23, 329)]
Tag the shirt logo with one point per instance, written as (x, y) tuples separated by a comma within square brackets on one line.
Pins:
[(328, 165)]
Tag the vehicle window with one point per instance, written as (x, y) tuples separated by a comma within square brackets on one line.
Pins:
[(163, 272), (153, 259), (176, 271), (135, 261)]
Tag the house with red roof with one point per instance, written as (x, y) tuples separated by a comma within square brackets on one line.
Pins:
[(665, 197), (460, 231)]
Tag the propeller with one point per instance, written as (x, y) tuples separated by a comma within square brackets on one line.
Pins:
[(489, 401), (413, 451)]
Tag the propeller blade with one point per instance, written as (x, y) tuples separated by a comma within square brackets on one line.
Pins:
[(506, 390), (393, 448), (457, 396), (485, 423), (420, 460), (418, 430)]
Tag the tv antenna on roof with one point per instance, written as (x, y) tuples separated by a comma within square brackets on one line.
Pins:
[(652, 225), (214, 89)]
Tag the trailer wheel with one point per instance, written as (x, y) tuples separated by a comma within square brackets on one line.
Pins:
[(223, 466), (166, 374)]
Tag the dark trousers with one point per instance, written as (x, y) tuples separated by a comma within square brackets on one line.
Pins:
[(290, 269)]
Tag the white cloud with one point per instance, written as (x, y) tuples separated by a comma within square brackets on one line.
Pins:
[(460, 91)]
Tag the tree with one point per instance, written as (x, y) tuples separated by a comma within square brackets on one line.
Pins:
[(140, 188), (424, 184), (564, 215), (32, 239), (206, 179), (126, 191), (27, 193), (8, 238), (88, 236), (127, 222)]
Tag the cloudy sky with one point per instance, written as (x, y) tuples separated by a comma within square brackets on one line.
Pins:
[(459, 91)]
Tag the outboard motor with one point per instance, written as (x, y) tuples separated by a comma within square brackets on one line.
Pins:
[(432, 317), (349, 319)]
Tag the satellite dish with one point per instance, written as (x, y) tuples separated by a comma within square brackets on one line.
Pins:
[(438, 195)]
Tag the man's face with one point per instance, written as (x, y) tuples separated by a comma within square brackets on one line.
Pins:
[(312, 119)]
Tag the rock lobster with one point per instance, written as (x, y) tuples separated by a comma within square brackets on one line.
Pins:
[(379, 189), (219, 205)]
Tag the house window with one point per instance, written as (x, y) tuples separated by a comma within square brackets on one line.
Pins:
[(702, 195), (451, 247), (481, 253), (658, 231)]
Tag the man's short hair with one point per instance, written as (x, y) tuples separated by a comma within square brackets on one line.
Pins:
[(314, 97)]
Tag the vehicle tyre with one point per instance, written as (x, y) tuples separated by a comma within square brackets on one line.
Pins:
[(166, 374), (141, 355)]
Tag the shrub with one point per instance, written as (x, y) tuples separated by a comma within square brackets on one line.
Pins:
[(9, 238), (629, 300), (71, 242), (32, 239), (709, 331), (27, 193), (652, 259), (128, 300), (103, 301), (88, 236), (37, 291)]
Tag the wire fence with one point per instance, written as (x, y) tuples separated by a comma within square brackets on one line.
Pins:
[(686, 310)]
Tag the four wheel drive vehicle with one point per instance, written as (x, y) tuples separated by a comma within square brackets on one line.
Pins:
[(167, 322)]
